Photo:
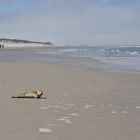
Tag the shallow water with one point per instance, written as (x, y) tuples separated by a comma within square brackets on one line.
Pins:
[(112, 58)]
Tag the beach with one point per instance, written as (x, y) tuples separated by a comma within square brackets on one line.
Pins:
[(77, 103)]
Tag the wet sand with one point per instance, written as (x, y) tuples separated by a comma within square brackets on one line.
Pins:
[(81, 104)]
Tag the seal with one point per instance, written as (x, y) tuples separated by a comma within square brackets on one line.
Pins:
[(30, 94)]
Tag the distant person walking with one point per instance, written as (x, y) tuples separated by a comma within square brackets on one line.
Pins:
[(1, 46)]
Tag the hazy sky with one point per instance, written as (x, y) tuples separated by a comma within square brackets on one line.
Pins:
[(78, 22)]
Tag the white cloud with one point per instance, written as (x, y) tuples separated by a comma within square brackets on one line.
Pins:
[(75, 22)]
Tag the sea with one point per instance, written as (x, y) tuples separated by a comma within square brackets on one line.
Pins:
[(109, 58)]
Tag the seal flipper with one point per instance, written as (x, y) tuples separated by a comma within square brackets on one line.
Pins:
[(14, 97), (18, 97)]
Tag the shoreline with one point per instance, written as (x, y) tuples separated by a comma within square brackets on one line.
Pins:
[(53, 54), (36, 45)]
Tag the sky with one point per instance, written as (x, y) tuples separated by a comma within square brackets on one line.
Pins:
[(72, 22)]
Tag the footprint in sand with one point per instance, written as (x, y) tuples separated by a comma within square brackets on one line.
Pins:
[(74, 114), (70, 105), (88, 106), (43, 107), (113, 112), (137, 107), (125, 112), (65, 119), (45, 130), (54, 106)]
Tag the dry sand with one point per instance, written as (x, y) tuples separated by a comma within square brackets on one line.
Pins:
[(81, 104), (21, 45)]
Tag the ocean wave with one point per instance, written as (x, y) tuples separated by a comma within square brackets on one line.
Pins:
[(48, 52), (68, 50)]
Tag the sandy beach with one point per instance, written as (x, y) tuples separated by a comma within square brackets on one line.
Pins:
[(81, 104)]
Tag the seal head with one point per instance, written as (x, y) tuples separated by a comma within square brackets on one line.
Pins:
[(39, 93)]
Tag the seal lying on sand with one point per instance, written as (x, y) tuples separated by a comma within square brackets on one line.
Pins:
[(30, 94)]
